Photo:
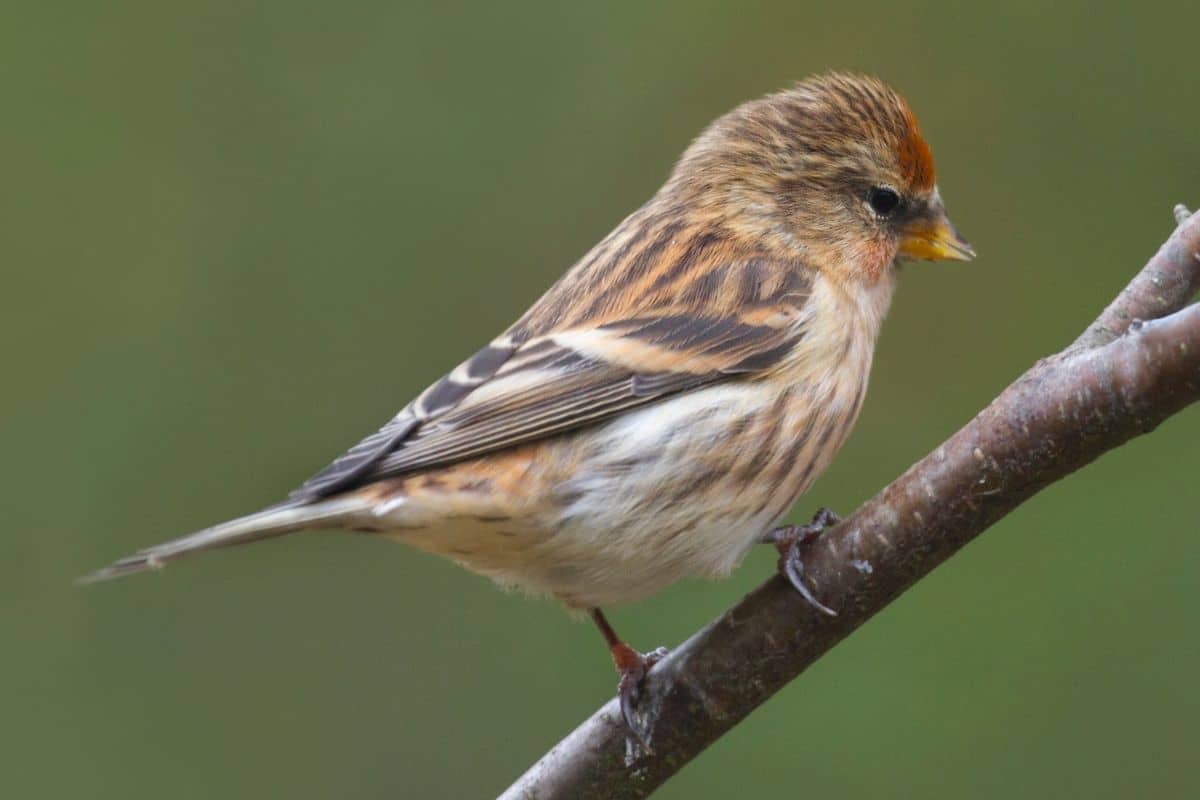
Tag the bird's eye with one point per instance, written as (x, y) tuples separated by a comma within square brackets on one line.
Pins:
[(883, 201)]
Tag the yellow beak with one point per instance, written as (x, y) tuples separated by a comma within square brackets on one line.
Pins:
[(935, 240)]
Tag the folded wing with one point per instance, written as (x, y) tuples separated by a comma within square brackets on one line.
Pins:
[(513, 392)]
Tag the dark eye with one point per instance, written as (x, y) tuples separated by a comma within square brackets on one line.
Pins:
[(883, 201)]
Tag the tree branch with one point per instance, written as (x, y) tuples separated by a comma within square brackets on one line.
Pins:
[(1136, 365)]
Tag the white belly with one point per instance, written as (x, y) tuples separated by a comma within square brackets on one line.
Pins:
[(684, 486)]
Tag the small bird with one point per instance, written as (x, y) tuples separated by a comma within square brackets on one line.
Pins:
[(662, 406)]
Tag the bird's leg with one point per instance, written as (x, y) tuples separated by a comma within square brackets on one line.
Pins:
[(632, 666), (790, 540)]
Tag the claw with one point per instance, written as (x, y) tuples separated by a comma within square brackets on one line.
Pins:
[(634, 667), (790, 540), (791, 564)]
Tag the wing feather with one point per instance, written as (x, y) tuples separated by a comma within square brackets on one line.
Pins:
[(565, 388), (549, 376), (349, 469)]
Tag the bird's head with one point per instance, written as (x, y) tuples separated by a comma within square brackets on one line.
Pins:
[(834, 169)]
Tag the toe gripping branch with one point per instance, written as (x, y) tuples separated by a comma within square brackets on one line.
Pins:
[(633, 668), (790, 541)]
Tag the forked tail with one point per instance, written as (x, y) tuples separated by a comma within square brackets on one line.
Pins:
[(270, 522)]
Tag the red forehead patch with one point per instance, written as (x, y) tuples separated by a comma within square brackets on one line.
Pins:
[(916, 159)]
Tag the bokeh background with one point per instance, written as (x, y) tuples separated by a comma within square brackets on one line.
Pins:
[(238, 236)]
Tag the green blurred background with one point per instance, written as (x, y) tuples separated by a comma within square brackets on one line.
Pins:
[(238, 236)]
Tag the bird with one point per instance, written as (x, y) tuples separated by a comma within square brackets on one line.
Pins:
[(658, 411)]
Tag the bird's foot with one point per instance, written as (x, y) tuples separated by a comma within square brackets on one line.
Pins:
[(634, 667), (790, 540)]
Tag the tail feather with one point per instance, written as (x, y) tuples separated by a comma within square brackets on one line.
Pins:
[(273, 521)]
